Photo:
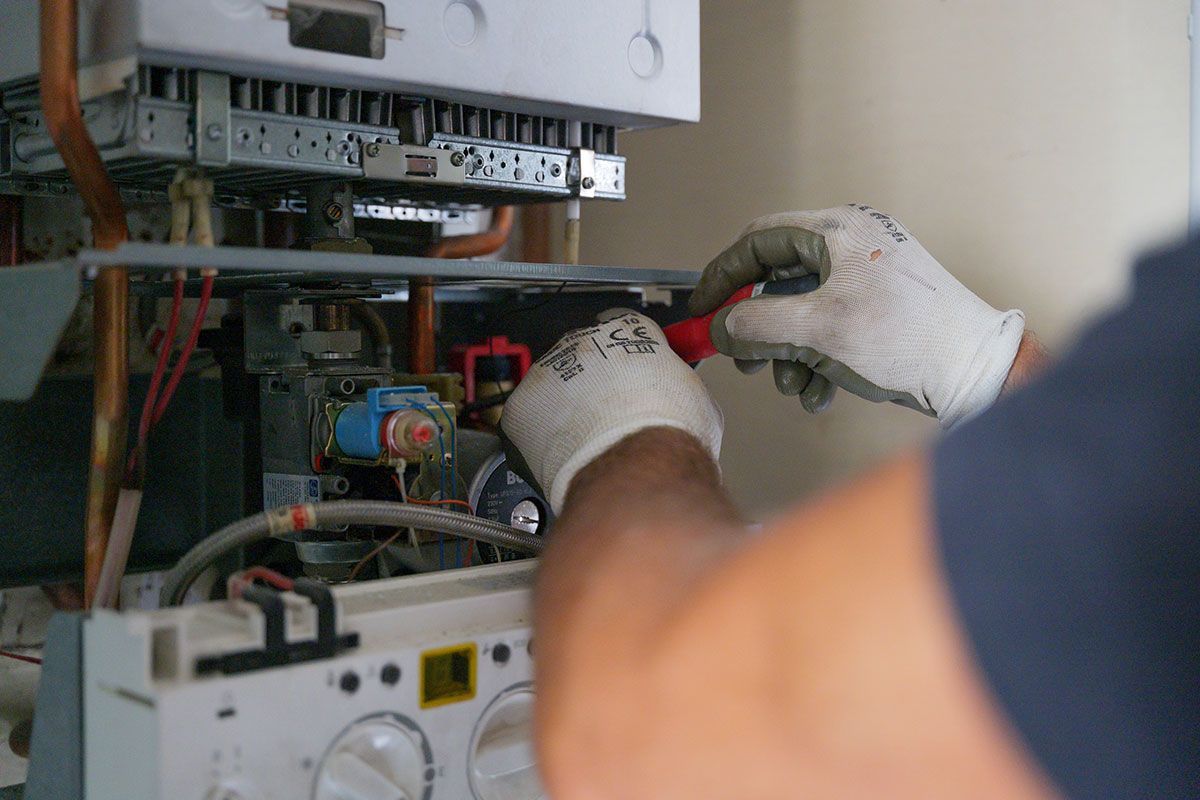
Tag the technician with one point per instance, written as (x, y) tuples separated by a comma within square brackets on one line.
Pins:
[(1013, 612)]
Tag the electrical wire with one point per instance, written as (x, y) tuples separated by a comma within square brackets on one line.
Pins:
[(504, 314), (20, 657), (367, 558), (453, 467), (240, 580), (330, 514), (189, 346), (164, 356), (442, 473)]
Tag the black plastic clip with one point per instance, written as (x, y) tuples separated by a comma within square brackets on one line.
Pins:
[(277, 651)]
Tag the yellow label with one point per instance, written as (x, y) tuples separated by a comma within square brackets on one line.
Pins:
[(448, 675)]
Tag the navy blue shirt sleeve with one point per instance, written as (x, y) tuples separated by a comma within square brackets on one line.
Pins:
[(1069, 522)]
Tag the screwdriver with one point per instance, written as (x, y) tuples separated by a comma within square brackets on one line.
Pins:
[(691, 340)]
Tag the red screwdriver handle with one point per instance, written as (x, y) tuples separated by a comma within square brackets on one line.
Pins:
[(691, 339)]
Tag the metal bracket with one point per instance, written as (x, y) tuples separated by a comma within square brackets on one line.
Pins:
[(587, 172), (581, 172), (212, 119), (407, 163)]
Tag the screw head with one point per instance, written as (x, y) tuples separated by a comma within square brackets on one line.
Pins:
[(334, 212), (458, 159), (372, 149), (214, 131), (588, 183), (556, 170)]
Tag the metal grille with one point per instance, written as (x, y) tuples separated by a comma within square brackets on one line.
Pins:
[(284, 136), (418, 119)]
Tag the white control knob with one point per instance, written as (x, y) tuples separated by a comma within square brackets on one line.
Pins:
[(376, 759), (233, 789), (502, 763)]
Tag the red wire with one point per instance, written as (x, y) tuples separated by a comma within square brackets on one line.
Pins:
[(19, 657), (270, 576), (165, 344), (160, 367), (206, 290), (462, 503)]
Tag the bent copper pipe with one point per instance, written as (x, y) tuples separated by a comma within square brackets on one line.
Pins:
[(477, 244), (110, 322), (422, 349)]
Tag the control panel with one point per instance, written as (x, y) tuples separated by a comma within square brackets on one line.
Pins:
[(433, 699)]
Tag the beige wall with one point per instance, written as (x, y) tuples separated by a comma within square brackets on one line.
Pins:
[(1033, 145)]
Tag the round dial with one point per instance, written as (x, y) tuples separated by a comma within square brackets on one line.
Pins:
[(383, 757), (501, 763), (497, 493)]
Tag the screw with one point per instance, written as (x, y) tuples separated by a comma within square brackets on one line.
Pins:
[(556, 170), (457, 159), (214, 131), (588, 183), (372, 149), (334, 212)]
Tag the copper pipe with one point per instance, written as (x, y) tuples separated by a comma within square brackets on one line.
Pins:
[(12, 244), (477, 244), (110, 325), (422, 347)]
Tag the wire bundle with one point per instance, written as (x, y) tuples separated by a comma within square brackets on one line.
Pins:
[(191, 213)]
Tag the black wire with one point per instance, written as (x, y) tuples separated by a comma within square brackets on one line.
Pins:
[(486, 403), (504, 313)]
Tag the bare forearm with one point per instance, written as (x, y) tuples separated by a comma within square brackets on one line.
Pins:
[(638, 520), (680, 658), (643, 521), (1031, 360)]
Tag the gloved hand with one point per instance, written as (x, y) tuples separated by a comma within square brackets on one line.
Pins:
[(595, 387), (888, 323)]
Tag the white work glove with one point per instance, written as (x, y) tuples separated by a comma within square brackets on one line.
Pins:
[(887, 323), (595, 387)]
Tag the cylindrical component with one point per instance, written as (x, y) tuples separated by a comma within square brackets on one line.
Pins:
[(422, 347), (331, 317), (407, 434), (59, 86), (12, 241)]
